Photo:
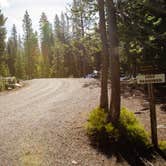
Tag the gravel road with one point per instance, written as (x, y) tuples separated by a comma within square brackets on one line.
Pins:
[(42, 124)]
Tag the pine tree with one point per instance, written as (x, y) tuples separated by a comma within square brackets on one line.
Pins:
[(105, 59), (3, 59), (58, 31), (47, 41), (115, 65), (28, 34), (37, 70), (20, 61), (12, 51), (77, 12)]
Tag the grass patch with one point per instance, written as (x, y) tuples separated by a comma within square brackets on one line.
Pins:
[(31, 160)]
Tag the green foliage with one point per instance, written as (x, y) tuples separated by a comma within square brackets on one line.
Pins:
[(97, 121), (6, 82), (3, 66), (31, 47), (4, 71), (129, 130), (2, 85), (12, 50), (132, 129), (162, 146), (141, 29), (47, 42), (99, 129), (73, 46), (63, 51)]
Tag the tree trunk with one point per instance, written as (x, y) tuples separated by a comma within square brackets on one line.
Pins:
[(82, 26), (105, 57), (115, 65)]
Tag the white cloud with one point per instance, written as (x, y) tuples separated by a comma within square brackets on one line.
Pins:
[(4, 3)]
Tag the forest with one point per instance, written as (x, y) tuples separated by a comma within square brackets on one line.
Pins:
[(71, 45), (109, 119)]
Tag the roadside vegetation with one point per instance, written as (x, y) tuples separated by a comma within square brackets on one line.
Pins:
[(128, 131), (2, 85), (111, 37), (70, 46), (128, 139), (8, 83), (162, 146)]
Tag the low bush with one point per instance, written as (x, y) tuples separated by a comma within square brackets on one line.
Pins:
[(98, 129), (2, 85), (7, 82), (162, 146), (129, 131)]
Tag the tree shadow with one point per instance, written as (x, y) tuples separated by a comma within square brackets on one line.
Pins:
[(125, 152), (92, 85)]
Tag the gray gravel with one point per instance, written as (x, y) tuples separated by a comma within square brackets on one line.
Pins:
[(42, 124)]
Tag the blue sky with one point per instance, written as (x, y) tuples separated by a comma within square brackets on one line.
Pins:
[(14, 10)]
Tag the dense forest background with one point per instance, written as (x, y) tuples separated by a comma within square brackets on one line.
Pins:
[(71, 45)]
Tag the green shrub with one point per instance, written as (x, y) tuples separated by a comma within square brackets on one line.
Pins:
[(162, 146), (7, 82), (132, 130), (97, 121), (127, 118), (2, 85), (129, 130), (99, 129)]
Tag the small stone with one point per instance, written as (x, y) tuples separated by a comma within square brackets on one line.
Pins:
[(74, 162)]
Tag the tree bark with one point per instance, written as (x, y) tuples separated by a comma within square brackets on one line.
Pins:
[(105, 57), (115, 65)]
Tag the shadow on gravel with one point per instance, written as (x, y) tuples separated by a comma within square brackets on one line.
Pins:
[(92, 84), (124, 152)]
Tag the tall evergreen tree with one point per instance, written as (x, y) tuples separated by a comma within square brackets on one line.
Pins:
[(57, 28), (83, 15), (20, 61), (3, 59), (28, 34), (47, 41), (105, 55), (12, 51), (115, 65)]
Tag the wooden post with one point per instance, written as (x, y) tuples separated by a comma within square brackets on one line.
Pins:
[(153, 115)]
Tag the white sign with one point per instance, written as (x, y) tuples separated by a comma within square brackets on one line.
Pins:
[(151, 79)]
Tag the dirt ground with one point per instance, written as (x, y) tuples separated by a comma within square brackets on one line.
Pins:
[(138, 102), (43, 124)]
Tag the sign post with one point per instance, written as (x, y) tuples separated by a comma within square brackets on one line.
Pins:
[(153, 118), (151, 79)]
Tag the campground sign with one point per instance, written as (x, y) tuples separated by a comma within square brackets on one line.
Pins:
[(151, 79), (150, 75)]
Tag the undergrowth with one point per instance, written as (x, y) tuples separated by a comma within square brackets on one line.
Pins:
[(128, 134), (162, 146), (2, 85)]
